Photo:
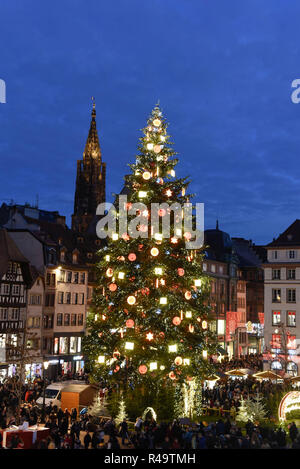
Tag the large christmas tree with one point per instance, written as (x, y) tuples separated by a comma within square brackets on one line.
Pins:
[(151, 318)]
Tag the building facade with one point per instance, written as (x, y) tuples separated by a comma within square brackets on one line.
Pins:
[(282, 302)]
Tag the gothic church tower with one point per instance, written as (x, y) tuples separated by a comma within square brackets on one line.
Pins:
[(90, 181)]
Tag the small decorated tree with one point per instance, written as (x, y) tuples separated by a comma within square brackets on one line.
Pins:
[(243, 415), (122, 412), (98, 407), (257, 409)]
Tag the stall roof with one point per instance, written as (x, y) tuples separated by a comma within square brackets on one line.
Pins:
[(77, 388)]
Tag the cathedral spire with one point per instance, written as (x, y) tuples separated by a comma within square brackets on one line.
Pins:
[(92, 146)]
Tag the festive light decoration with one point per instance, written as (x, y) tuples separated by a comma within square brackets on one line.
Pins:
[(130, 323), (197, 283), (157, 122), (146, 175), (154, 252), (143, 369), (178, 361), (176, 321), (204, 324), (115, 236), (129, 345), (158, 271), (204, 353), (173, 348), (131, 300), (101, 359), (151, 274)]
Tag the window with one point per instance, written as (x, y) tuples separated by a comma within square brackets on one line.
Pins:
[(75, 277), (63, 345), (60, 297), (30, 322), (73, 344), (275, 274), (62, 274), (292, 369), (62, 256), (49, 299), (59, 319), (221, 269), (82, 277), (56, 341), (80, 320), (68, 298), (291, 295), (291, 318), (276, 341), (89, 255), (276, 295), (275, 317), (16, 289), (291, 342), (75, 298), (73, 319), (69, 277), (291, 274), (204, 267), (292, 254), (276, 365), (213, 268), (81, 298), (66, 320), (75, 258), (35, 299), (15, 314), (275, 254), (5, 289), (50, 279)]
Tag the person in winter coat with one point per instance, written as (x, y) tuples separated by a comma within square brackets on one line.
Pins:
[(87, 440)]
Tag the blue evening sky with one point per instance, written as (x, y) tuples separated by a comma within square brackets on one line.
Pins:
[(222, 70)]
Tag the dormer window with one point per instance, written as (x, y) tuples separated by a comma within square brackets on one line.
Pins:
[(75, 255), (60, 241), (75, 258), (89, 255), (62, 255)]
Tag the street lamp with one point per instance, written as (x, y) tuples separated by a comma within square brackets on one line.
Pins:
[(45, 367)]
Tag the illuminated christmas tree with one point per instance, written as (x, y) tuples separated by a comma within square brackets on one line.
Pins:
[(150, 322)]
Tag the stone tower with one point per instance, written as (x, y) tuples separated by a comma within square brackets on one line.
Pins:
[(90, 181)]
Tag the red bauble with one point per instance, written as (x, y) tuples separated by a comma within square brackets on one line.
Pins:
[(180, 271), (143, 369), (112, 287), (188, 295), (176, 320), (172, 375), (130, 323), (132, 257)]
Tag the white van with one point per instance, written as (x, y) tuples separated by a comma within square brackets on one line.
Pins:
[(52, 394)]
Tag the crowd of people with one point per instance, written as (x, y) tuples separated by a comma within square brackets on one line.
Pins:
[(70, 430)]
